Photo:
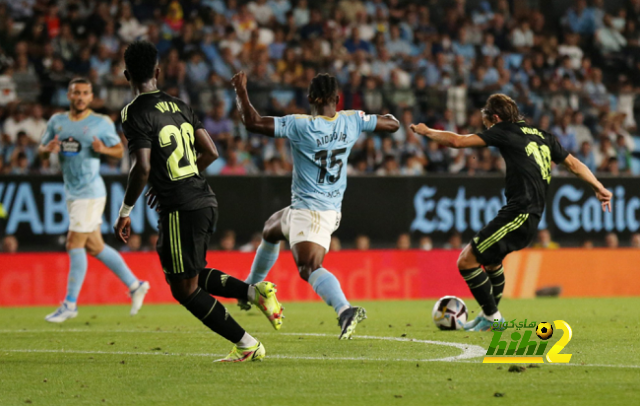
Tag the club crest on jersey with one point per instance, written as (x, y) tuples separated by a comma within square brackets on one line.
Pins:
[(326, 139)]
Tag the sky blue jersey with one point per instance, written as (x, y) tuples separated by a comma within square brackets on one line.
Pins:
[(80, 163), (320, 147)]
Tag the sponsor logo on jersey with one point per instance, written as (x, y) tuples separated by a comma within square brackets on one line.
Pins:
[(70, 147)]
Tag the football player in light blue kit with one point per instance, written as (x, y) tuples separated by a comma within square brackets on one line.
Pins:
[(320, 144), (80, 137)]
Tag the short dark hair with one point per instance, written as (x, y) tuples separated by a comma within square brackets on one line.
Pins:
[(504, 107), (323, 89), (81, 80), (140, 59)]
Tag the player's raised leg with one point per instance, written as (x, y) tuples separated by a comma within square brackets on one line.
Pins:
[(266, 255), (262, 294), (137, 289), (481, 288), (77, 270)]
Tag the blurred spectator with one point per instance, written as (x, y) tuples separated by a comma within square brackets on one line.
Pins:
[(608, 39), (252, 245), (454, 242), (585, 155), (110, 166), (362, 243), (152, 242), (587, 244), (425, 243), (9, 244), (611, 240), (566, 134), (404, 242), (335, 244), (635, 241), (217, 125), (228, 241), (233, 166), (133, 244), (581, 131), (544, 241)]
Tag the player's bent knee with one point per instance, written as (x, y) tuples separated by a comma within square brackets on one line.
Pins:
[(305, 271), (464, 260), (268, 234), (182, 289)]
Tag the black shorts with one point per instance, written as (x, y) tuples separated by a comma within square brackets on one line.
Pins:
[(506, 233), (183, 239)]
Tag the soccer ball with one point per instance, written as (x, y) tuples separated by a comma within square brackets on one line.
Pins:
[(449, 313), (544, 330)]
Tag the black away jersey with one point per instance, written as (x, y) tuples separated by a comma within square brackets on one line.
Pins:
[(167, 126), (528, 153)]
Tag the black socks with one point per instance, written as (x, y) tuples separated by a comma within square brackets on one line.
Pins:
[(218, 283), (213, 315), (497, 281), (481, 289)]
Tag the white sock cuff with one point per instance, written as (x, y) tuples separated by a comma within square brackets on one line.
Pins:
[(315, 275), (494, 316), (246, 341), (251, 293)]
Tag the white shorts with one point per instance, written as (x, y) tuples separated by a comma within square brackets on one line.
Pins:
[(85, 215), (300, 225)]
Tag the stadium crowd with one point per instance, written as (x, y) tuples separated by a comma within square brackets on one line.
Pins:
[(433, 61)]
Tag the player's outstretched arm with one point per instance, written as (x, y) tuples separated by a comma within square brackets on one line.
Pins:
[(207, 151), (252, 120), (447, 138), (138, 177), (579, 169), (387, 123)]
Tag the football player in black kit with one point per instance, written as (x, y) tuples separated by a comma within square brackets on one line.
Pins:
[(528, 153), (170, 149)]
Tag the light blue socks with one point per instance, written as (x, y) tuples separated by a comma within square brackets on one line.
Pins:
[(113, 260), (77, 272), (266, 256), (326, 285)]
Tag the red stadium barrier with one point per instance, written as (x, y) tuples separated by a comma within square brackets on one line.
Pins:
[(40, 279)]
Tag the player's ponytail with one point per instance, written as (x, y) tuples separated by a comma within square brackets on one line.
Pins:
[(323, 89), (502, 106)]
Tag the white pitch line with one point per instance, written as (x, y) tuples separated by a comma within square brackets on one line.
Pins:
[(35, 351), (469, 351), (220, 355)]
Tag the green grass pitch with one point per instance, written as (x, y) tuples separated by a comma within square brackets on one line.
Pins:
[(164, 356)]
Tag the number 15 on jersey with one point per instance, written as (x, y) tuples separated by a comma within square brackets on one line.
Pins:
[(328, 160)]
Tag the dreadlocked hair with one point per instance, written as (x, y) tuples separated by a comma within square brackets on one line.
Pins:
[(323, 89)]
